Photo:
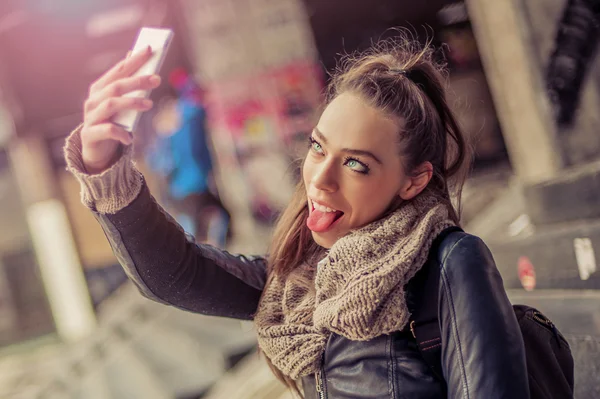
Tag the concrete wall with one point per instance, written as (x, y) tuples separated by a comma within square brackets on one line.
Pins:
[(580, 142), (517, 88)]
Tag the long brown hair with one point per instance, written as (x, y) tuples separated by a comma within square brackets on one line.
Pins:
[(401, 79)]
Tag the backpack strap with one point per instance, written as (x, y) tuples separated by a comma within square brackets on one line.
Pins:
[(424, 323)]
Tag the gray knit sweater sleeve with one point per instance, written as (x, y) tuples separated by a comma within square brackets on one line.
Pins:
[(111, 190)]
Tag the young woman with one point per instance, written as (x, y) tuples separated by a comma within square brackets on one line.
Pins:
[(332, 302)]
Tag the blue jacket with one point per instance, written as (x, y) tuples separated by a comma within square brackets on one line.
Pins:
[(184, 157)]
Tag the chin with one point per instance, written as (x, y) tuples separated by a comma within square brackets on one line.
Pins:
[(325, 240)]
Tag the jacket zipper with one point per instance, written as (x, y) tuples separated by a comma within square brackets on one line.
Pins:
[(319, 384), (320, 379)]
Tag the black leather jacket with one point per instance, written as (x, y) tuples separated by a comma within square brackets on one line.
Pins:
[(483, 354)]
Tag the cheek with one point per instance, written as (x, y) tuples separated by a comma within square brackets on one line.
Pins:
[(369, 201), (306, 172)]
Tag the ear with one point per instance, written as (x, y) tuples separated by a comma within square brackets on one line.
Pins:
[(417, 182)]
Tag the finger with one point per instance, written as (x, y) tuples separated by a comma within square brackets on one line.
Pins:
[(122, 87), (124, 68), (108, 131), (111, 106)]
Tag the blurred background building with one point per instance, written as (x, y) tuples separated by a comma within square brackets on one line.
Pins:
[(524, 80)]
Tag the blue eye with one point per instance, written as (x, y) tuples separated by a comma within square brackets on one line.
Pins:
[(315, 146), (357, 166)]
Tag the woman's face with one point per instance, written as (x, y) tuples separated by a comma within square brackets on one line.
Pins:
[(353, 170)]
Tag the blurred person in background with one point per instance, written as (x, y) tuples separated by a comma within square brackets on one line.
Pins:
[(180, 154), (333, 303)]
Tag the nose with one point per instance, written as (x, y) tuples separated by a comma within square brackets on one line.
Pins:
[(325, 178)]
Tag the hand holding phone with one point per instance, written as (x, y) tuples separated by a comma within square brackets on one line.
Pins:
[(116, 100), (158, 40)]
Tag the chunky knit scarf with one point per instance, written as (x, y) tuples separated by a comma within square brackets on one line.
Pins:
[(358, 288)]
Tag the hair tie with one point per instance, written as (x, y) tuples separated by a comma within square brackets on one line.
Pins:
[(399, 71)]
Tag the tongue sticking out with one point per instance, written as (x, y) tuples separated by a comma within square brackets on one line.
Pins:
[(319, 221)]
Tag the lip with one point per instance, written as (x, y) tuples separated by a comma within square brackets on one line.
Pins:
[(311, 208), (325, 204)]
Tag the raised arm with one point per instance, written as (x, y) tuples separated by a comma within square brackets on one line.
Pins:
[(164, 263)]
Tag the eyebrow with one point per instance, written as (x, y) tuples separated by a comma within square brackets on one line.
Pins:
[(369, 154)]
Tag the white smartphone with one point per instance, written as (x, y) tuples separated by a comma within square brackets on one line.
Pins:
[(158, 40)]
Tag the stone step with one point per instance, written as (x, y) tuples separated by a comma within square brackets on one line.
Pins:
[(185, 364), (94, 387), (575, 312), (228, 335), (250, 379), (564, 255), (140, 350), (573, 195), (128, 376)]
